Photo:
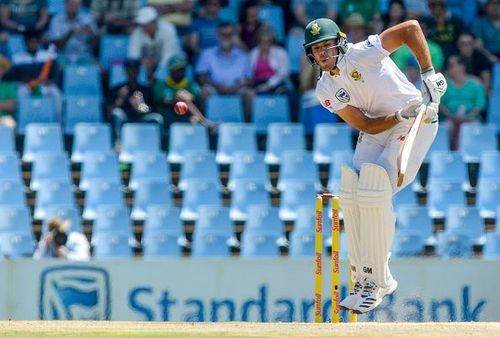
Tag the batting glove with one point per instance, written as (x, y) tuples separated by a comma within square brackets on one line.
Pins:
[(433, 86), (410, 110)]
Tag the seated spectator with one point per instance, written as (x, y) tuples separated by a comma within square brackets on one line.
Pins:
[(153, 41), (369, 9), (225, 69), (131, 101), (203, 31), (166, 91), (307, 10), (444, 28), (476, 61), (61, 242), (34, 52), (114, 16), (396, 13), (177, 12), (19, 16), (356, 29), (74, 33), (8, 96), (464, 99), (487, 28), (270, 65), (249, 24)]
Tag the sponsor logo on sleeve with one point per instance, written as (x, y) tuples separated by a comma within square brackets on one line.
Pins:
[(342, 95), (327, 103)]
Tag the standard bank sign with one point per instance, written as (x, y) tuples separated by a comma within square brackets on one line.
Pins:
[(75, 292)]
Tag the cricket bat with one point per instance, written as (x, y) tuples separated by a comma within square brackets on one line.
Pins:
[(407, 146)]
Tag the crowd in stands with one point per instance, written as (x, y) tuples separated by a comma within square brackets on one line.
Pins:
[(132, 60)]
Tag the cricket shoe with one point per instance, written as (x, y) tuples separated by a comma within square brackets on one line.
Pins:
[(351, 300), (372, 295)]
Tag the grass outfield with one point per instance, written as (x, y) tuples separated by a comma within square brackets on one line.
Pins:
[(238, 329)]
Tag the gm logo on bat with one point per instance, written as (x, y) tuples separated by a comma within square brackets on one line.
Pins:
[(75, 293)]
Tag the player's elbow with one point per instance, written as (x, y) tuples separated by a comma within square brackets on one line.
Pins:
[(412, 27)]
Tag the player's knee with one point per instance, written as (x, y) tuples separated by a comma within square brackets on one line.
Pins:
[(374, 186)]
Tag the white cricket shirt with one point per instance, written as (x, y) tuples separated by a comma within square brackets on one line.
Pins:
[(369, 80)]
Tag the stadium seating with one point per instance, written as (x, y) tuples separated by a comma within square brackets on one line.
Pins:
[(267, 109), (82, 80), (408, 243), (312, 113), (112, 218), (442, 194), (42, 137), (262, 232), (7, 140), (79, 109), (112, 235), (488, 197), (90, 137), (295, 195), (454, 245), (50, 166), (67, 213), (12, 194), (298, 166), (329, 138), (162, 232), (491, 249), (198, 193), (138, 137), (489, 164), (198, 166), (282, 137), (50, 195), (494, 105), (416, 219), (441, 142), (235, 137), (302, 236), (464, 219), (476, 138), (15, 44), (245, 194), (117, 75), (224, 108), (149, 167), (248, 167), (338, 158), (150, 193), (212, 233), (99, 193), (404, 197), (99, 167), (295, 51), (35, 110), (186, 137), (273, 16), (113, 49), (9, 167), (448, 167), (111, 245)]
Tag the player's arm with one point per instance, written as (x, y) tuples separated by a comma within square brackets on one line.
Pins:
[(370, 125), (409, 33)]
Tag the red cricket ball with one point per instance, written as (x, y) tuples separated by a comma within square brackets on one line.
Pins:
[(181, 108)]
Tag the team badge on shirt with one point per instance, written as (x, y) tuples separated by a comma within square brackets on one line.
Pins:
[(342, 95), (315, 28), (356, 76)]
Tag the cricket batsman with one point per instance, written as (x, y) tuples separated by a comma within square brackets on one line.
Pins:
[(361, 84)]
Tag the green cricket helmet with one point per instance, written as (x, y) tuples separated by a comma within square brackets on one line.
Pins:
[(321, 30)]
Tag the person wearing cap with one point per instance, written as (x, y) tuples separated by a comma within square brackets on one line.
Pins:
[(8, 96), (153, 41), (166, 91), (60, 241), (131, 101)]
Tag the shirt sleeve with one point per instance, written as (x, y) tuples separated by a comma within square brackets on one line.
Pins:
[(368, 52), (327, 99)]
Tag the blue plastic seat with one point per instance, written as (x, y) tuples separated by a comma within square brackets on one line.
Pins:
[(7, 140), (113, 49), (338, 158), (245, 194), (186, 137), (138, 137), (329, 138), (302, 239), (454, 245), (248, 167), (82, 80), (50, 166), (404, 197), (488, 197), (17, 244), (448, 166), (491, 248), (464, 219), (262, 232), (198, 193), (494, 104), (15, 219), (149, 167), (35, 110), (150, 193), (415, 218), (295, 195), (110, 218), (235, 137), (273, 16), (298, 166), (408, 242), (42, 137), (71, 214), (163, 230), (295, 51), (90, 137), (56, 6), (312, 113), (79, 109), (476, 138), (110, 245), (99, 167), (117, 75), (225, 108), (100, 193), (10, 169), (489, 164), (163, 217), (52, 194), (12, 194), (212, 233), (267, 109), (441, 142), (442, 194), (282, 137), (198, 166), (16, 44)]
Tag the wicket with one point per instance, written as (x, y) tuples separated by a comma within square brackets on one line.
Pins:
[(318, 259)]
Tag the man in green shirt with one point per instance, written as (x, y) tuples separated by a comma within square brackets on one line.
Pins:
[(166, 92), (8, 96)]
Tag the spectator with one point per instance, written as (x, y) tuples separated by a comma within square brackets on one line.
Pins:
[(396, 13), (153, 42), (487, 28), (19, 16), (61, 242), (74, 33), (114, 16), (444, 28), (8, 96), (131, 101), (225, 69), (369, 9), (308, 10), (177, 12), (203, 31), (477, 63), (34, 52), (166, 91), (249, 24), (464, 100), (355, 28), (270, 65)]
